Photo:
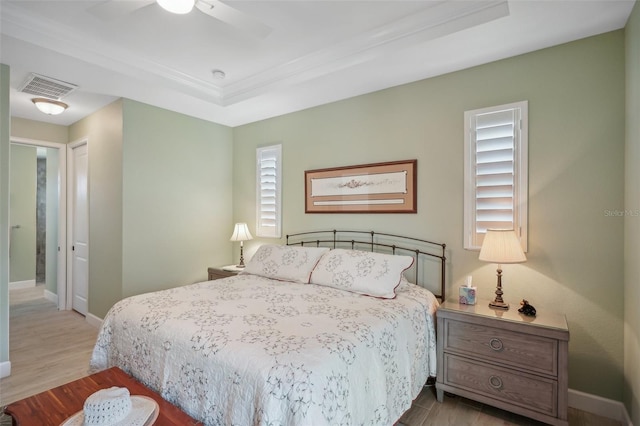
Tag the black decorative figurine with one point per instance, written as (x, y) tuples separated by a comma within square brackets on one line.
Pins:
[(527, 309)]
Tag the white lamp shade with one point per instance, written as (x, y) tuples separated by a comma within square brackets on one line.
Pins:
[(241, 233), (501, 246), (179, 7), (49, 106)]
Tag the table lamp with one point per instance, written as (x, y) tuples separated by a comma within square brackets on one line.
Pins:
[(241, 233), (501, 246)]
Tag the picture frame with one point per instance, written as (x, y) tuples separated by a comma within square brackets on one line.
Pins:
[(388, 187)]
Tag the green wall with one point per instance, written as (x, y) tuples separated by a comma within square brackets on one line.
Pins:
[(5, 126), (576, 162), (177, 193), (22, 214), (632, 220)]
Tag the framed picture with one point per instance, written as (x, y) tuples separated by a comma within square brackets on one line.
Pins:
[(366, 188)]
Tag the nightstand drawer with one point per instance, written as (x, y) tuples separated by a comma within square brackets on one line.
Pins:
[(513, 387), (533, 353)]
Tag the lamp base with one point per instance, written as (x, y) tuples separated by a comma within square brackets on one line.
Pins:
[(241, 264), (499, 305)]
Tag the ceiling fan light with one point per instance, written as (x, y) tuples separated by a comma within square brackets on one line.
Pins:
[(49, 106), (179, 7)]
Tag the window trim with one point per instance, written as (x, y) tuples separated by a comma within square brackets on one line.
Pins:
[(261, 229), (520, 183)]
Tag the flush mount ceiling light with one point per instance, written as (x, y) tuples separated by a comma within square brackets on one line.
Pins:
[(177, 6), (49, 106)]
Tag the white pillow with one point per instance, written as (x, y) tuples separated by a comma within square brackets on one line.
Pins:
[(368, 273), (288, 263)]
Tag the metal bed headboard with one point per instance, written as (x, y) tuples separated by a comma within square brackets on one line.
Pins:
[(421, 250)]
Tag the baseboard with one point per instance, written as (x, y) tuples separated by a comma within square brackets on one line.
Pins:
[(598, 405), (22, 284), (51, 296), (5, 369), (94, 320)]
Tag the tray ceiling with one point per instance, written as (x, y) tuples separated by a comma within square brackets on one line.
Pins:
[(305, 53)]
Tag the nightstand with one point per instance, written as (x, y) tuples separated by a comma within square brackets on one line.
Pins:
[(223, 272), (504, 359)]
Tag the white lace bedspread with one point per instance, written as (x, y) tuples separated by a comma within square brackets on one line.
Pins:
[(248, 350)]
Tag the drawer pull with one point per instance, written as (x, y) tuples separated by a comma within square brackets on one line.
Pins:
[(495, 382), (496, 344)]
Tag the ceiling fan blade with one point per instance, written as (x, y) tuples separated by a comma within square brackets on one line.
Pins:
[(113, 9), (234, 17)]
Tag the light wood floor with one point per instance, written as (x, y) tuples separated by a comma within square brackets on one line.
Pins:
[(49, 348)]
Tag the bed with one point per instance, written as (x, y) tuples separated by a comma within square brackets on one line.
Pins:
[(312, 332)]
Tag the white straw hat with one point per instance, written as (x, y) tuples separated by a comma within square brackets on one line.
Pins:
[(114, 407)]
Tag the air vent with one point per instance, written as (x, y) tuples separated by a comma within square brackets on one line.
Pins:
[(47, 87)]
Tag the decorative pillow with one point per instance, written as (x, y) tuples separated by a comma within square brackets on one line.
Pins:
[(368, 273), (288, 263)]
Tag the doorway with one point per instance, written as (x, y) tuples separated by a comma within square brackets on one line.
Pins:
[(37, 241)]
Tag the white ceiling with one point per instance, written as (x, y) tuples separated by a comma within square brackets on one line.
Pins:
[(317, 51)]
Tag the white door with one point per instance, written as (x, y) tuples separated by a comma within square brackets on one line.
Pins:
[(80, 229)]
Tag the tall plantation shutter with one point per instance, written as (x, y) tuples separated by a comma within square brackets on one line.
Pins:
[(268, 203), (495, 172)]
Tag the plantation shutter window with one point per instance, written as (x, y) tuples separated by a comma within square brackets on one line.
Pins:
[(495, 172), (268, 189)]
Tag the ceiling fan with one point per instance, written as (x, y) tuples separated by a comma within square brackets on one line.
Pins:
[(215, 8)]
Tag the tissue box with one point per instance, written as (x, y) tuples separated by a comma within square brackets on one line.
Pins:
[(467, 295)]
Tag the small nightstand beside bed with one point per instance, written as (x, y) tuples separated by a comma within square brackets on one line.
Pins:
[(306, 335), (223, 272), (503, 358)]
